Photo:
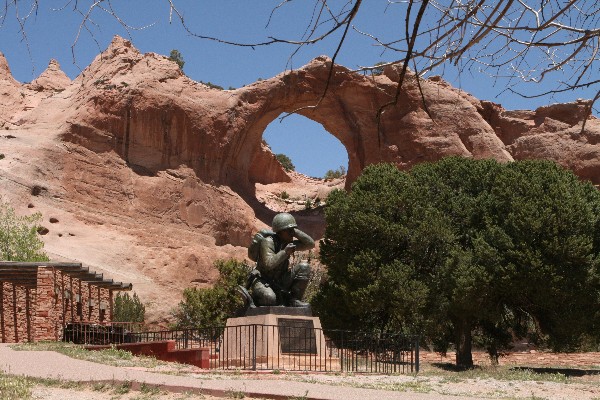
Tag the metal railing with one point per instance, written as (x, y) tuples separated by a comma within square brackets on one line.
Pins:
[(100, 334), (286, 347), (295, 348)]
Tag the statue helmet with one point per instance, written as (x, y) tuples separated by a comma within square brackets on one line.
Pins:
[(283, 221)]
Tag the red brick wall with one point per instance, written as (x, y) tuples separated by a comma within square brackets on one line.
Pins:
[(15, 313), (46, 319), (41, 314)]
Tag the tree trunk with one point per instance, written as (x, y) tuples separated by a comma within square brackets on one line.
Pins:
[(462, 330)]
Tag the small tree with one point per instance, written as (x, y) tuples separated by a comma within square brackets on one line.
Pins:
[(308, 204), (128, 308), (378, 68), (338, 173), (285, 162), (19, 240), (211, 307), (177, 57)]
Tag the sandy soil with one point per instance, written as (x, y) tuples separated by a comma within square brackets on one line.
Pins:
[(567, 376), (51, 393)]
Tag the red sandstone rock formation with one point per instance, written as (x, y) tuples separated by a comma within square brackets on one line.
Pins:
[(53, 79), (153, 176), (10, 98)]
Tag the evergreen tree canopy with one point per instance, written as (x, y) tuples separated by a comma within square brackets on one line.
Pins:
[(462, 250)]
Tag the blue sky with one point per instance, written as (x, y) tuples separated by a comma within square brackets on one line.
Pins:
[(52, 32)]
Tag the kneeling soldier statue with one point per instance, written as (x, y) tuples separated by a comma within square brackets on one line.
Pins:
[(274, 282)]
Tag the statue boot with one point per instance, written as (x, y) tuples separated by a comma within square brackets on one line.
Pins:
[(246, 297), (301, 273), (297, 293)]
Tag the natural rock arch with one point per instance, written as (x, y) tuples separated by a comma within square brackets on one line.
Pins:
[(348, 111), (138, 151), (143, 107)]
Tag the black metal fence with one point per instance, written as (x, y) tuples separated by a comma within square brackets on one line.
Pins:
[(296, 348), (100, 334), (288, 346)]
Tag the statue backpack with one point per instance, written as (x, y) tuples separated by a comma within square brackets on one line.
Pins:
[(254, 248)]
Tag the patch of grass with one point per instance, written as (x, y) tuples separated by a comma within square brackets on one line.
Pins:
[(149, 389), (100, 387), (532, 397), (1, 156), (19, 387), (452, 379), (416, 386), (111, 356), (122, 388), (235, 394), (14, 387), (56, 382), (503, 373), (304, 397)]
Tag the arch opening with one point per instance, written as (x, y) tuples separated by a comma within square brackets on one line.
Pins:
[(319, 160), (312, 149)]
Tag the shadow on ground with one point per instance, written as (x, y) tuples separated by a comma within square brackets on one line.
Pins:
[(569, 372)]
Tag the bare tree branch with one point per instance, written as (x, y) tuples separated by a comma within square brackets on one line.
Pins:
[(522, 41), (411, 42)]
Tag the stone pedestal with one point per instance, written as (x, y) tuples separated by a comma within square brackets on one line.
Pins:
[(275, 338)]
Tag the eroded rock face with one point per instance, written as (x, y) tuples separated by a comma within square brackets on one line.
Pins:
[(145, 109), (154, 117), (10, 98), (154, 176), (552, 132), (52, 79)]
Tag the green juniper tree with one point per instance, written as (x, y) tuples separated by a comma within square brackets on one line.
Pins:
[(465, 250)]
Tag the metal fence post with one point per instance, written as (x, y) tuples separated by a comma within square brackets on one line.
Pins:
[(254, 348), (341, 351), (417, 354)]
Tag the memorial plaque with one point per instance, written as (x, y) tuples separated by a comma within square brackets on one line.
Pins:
[(297, 336)]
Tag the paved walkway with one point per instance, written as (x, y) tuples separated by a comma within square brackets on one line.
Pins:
[(49, 364)]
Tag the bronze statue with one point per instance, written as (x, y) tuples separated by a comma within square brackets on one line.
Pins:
[(274, 282)]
